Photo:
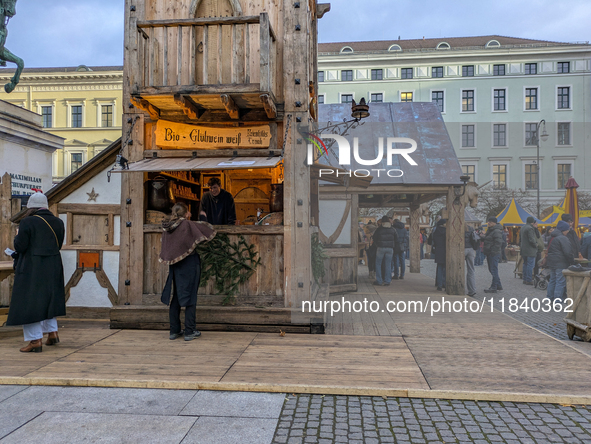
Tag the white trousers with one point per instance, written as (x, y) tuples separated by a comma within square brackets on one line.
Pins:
[(36, 330)]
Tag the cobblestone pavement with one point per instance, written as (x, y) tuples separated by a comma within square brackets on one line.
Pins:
[(550, 323), (353, 419)]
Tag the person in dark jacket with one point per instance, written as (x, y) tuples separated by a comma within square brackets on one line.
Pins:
[(398, 262), (560, 256), (38, 294), (385, 239), (528, 249), (572, 235), (217, 205), (541, 246), (586, 246), (493, 242), (439, 242), (179, 240), (504, 246)]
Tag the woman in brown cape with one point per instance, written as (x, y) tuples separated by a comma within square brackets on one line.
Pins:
[(179, 239)]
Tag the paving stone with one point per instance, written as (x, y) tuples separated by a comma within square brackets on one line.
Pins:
[(238, 404)]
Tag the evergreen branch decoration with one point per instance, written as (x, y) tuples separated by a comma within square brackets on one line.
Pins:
[(230, 264), (318, 257)]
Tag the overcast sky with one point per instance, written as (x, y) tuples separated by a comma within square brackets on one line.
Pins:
[(50, 33)]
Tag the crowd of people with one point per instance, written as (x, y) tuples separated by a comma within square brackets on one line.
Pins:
[(388, 245)]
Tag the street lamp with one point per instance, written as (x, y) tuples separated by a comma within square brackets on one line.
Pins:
[(544, 137)]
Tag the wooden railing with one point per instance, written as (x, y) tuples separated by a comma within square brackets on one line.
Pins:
[(207, 51)]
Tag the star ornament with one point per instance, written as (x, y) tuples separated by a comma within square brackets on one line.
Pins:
[(92, 195)]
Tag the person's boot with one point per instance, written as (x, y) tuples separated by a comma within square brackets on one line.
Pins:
[(35, 346), (52, 338), (490, 290)]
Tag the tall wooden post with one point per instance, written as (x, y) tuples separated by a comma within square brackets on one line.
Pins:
[(454, 262), (414, 238), (296, 78), (131, 256)]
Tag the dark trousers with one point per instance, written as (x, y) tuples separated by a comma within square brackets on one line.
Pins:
[(174, 314), (398, 264), (493, 267), (503, 252)]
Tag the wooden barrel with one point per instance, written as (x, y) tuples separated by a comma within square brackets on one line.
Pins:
[(272, 219), (154, 217)]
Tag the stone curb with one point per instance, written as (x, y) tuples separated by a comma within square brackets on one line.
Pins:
[(564, 399)]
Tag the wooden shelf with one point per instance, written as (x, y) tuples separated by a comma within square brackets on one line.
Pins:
[(178, 196), (178, 178)]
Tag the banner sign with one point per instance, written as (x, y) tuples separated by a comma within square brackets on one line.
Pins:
[(174, 135)]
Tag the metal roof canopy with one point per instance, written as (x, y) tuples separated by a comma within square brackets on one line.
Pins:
[(193, 164), (437, 163)]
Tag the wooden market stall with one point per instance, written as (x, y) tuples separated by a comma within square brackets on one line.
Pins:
[(215, 88), (436, 173)]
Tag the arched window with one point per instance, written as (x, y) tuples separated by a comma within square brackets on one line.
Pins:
[(493, 44), (345, 49), (83, 68), (443, 45), (395, 47)]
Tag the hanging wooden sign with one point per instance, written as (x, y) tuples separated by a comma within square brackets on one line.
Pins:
[(173, 135)]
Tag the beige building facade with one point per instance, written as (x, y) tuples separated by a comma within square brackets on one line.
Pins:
[(81, 104)]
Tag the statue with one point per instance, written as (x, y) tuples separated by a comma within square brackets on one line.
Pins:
[(7, 11)]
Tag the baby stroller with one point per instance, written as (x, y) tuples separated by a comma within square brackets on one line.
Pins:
[(542, 278)]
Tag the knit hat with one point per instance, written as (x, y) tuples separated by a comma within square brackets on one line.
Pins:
[(530, 220), (562, 226), (37, 200), (566, 217), (492, 219)]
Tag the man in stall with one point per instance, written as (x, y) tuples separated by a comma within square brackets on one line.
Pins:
[(217, 206)]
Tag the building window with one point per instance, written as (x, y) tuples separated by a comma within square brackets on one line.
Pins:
[(347, 75), (406, 73), (531, 176), (406, 97), (564, 133), (500, 134), (377, 97), (499, 100), (564, 97), (531, 138), (468, 100), (563, 67), (346, 98), (76, 161), (437, 71), (469, 170), (437, 98), (498, 70), (531, 98), (377, 74), (499, 177), (467, 136), (531, 68), (320, 76), (321, 100), (47, 113), (563, 174), (107, 116), (468, 71), (77, 116)]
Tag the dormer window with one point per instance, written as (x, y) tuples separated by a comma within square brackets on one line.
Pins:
[(443, 45), (394, 47), (346, 49), (493, 44)]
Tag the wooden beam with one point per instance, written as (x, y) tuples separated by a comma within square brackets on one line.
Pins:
[(454, 262), (189, 107), (414, 238), (240, 152), (198, 22), (322, 8), (230, 229), (230, 106), (88, 208), (146, 106), (269, 106)]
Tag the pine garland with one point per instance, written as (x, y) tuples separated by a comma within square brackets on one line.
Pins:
[(230, 264), (318, 257)]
